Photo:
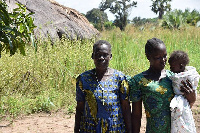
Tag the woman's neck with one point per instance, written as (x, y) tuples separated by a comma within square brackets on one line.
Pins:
[(154, 71), (103, 74), (154, 74)]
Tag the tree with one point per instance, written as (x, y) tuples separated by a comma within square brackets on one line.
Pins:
[(16, 29), (120, 8), (97, 17), (160, 6)]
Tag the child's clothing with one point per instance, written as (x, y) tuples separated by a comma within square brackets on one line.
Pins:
[(102, 111), (181, 115)]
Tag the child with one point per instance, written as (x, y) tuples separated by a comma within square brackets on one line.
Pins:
[(102, 96), (181, 116)]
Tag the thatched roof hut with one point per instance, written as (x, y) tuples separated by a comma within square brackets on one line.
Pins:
[(54, 20)]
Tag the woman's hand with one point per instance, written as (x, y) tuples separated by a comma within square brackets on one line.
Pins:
[(188, 91)]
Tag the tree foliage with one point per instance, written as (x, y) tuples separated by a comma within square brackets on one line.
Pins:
[(97, 17), (120, 8), (138, 21), (16, 29), (176, 19), (160, 6)]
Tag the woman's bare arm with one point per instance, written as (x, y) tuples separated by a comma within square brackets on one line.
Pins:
[(136, 116), (126, 111), (79, 112)]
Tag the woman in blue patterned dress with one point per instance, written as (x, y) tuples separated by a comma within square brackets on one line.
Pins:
[(153, 87), (102, 96)]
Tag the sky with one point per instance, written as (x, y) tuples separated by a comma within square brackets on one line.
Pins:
[(142, 10)]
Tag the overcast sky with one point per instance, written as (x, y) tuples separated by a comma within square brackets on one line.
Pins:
[(143, 8)]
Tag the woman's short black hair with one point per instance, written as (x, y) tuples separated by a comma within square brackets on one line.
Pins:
[(101, 42), (179, 56), (151, 45)]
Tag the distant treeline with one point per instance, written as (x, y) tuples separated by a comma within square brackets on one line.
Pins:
[(175, 19)]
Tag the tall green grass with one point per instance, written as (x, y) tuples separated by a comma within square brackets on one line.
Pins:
[(45, 81)]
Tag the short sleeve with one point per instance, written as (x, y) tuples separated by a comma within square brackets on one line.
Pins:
[(124, 89), (135, 89), (79, 90)]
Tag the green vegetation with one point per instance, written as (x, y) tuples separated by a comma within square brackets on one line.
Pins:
[(97, 18), (178, 19), (119, 8), (16, 29), (175, 19), (45, 80), (160, 7)]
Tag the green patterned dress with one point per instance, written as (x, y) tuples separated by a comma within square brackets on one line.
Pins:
[(156, 97)]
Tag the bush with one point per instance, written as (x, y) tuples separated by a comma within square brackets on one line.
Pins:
[(177, 19), (109, 25)]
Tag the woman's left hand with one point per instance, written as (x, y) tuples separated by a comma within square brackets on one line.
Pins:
[(188, 91)]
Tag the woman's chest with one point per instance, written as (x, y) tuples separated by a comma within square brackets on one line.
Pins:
[(108, 90), (159, 89)]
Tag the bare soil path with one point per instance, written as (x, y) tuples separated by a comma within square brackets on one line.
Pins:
[(61, 123)]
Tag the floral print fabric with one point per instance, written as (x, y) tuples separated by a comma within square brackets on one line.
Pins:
[(102, 112), (156, 97)]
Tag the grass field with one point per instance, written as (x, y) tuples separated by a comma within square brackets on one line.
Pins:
[(45, 80)]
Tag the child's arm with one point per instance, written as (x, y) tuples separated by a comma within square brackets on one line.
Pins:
[(136, 116), (126, 112), (79, 112)]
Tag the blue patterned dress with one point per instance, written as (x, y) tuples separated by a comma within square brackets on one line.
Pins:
[(102, 111), (156, 97)]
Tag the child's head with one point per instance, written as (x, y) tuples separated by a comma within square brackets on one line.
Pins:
[(156, 53), (101, 54), (178, 60)]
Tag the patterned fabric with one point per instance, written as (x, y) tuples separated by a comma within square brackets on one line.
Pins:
[(181, 114), (102, 112), (156, 97), (182, 120)]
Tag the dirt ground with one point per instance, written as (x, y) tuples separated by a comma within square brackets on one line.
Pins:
[(61, 123)]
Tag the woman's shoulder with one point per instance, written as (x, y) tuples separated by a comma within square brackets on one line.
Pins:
[(86, 73), (139, 75), (118, 73), (136, 77)]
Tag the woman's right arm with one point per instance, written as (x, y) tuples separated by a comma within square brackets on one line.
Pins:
[(136, 116), (79, 112)]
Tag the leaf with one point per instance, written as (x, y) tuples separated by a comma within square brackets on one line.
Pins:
[(21, 48), (11, 46), (21, 28), (16, 28)]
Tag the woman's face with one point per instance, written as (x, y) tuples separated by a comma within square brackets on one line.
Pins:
[(101, 56), (158, 58)]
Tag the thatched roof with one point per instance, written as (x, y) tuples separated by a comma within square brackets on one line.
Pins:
[(55, 20)]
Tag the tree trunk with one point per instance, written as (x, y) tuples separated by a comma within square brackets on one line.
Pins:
[(161, 12)]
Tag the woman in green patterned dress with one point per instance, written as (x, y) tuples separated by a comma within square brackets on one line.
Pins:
[(154, 88)]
